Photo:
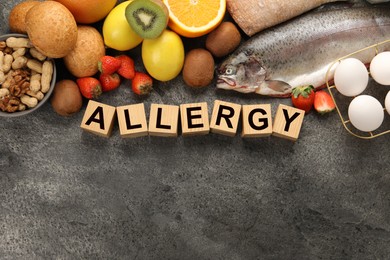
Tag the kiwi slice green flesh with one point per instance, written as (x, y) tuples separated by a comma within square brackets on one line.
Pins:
[(148, 18)]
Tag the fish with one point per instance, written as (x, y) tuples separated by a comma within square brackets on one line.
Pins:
[(301, 51)]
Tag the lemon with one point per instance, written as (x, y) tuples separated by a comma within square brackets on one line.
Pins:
[(117, 33)]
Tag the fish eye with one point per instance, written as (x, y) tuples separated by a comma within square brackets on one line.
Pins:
[(229, 71)]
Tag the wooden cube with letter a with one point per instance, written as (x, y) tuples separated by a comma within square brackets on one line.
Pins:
[(256, 120), (194, 119), (98, 118), (132, 120), (288, 121), (163, 120), (225, 117)]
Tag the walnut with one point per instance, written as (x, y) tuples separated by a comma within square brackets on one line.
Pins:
[(20, 83), (3, 45), (10, 104)]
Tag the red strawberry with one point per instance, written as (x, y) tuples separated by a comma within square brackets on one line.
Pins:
[(89, 87), (142, 83), (303, 97), (323, 102), (126, 69), (109, 81), (108, 64)]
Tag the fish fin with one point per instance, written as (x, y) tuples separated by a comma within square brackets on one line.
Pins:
[(274, 88)]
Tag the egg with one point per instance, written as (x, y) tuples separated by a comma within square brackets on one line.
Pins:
[(351, 77), (366, 113), (387, 102), (380, 68)]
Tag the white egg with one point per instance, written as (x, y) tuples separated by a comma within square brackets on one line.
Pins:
[(351, 77), (366, 113), (387, 102), (380, 68)]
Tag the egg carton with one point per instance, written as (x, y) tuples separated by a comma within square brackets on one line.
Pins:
[(373, 89)]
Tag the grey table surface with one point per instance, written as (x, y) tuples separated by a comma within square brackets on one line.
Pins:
[(68, 194)]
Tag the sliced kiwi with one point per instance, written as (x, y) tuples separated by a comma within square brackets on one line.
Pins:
[(148, 18)]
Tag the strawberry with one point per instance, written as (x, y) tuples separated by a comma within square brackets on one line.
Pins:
[(108, 64), (109, 81), (126, 69), (303, 97), (89, 87), (323, 102), (142, 83)]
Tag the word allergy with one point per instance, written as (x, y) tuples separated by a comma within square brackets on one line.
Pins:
[(164, 119)]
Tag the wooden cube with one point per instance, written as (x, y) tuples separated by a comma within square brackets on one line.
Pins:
[(256, 120), (225, 117), (98, 118), (288, 121), (163, 120), (132, 120), (194, 119)]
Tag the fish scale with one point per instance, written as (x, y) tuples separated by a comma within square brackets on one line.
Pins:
[(300, 51)]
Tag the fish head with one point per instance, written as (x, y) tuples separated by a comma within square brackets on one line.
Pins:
[(242, 72)]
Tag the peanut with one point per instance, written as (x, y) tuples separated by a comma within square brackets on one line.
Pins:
[(18, 53), (34, 65), (7, 63), (22, 107), (2, 77), (47, 74), (19, 62), (35, 82), (37, 54), (14, 42), (3, 92), (29, 101), (38, 95)]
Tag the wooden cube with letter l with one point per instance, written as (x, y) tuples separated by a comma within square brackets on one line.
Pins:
[(194, 119), (163, 120), (98, 118), (132, 120), (225, 117), (288, 121)]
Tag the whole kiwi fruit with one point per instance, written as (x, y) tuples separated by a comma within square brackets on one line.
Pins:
[(198, 69), (66, 99), (223, 40)]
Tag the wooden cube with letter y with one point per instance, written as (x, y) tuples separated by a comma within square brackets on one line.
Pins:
[(98, 118), (288, 121)]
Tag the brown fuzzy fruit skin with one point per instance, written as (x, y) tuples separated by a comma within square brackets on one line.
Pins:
[(66, 99), (83, 60), (16, 18), (51, 28), (223, 40), (198, 69)]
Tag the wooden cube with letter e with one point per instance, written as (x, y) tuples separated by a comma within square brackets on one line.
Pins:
[(194, 119), (98, 118)]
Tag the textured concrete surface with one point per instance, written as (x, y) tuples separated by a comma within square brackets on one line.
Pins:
[(67, 194)]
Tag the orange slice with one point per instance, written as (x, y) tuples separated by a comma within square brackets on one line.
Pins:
[(194, 18)]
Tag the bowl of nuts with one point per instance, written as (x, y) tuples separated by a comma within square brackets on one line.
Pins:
[(27, 77)]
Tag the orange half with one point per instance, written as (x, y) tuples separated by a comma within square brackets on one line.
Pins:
[(194, 18)]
